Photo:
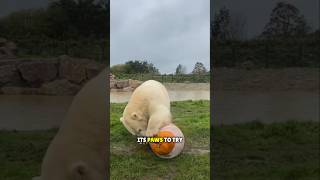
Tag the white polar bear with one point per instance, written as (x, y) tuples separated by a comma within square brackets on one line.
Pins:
[(148, 109), (79, 150)]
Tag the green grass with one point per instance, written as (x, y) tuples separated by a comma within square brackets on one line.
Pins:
[(166, 78), (21, 153), (287, 150), (130, 160)]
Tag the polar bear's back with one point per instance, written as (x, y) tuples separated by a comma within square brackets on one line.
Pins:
[(151, 92)]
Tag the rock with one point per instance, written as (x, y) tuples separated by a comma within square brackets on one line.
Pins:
[(2, 41), (72, 69), (7, 48), (38, 72), (19, 90), (128, 89), (59, 87), (93, 69), (122, 84), (134, 83), (8, 73), (112, 84), (112, 76), (11, 46)]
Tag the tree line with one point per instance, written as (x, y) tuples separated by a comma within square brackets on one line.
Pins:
[(144, 67), (286, 40), (74, 27), (62, 20), (285, 21)]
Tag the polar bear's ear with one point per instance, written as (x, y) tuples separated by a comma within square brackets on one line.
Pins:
[(121, 119), (79, 170), (135, 116)]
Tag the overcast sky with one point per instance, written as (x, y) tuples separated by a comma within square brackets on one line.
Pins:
[(165, 33)]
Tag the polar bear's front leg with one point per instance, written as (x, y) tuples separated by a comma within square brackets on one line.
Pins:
[(157, 121)]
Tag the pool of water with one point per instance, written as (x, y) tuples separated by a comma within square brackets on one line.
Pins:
[(26, 112), (175, 95), (236, 107)]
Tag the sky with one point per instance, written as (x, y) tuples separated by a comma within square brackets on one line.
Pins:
[(165, 33)]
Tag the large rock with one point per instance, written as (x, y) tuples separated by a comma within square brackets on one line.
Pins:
[(8, 74), (59, 87), (134, 83), (93, 69), (78, 70), (122, 84), (112, 84), (7, 48), (38, 72), (72, 69)]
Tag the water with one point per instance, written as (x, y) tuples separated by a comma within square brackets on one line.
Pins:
[(177, 95), (236, 107), (26, 112), (29, 112)]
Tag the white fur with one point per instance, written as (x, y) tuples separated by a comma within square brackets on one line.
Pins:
[(147, 110), (79, 150)]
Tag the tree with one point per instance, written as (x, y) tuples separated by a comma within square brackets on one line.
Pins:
[(181, 69), (119, 69), (226, 27), (285, 21), (221, 24), (72, 18), (133, 67), (199, 69)]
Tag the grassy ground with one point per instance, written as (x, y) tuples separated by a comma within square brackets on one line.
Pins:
[(21, 153), (288, 150), (130, 160)]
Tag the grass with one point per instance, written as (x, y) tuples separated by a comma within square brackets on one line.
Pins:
[(167, 78), (287, 150), (130, 160), (21, 153)]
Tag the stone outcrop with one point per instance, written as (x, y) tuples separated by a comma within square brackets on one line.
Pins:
[(59, 87), (7, 48), (63, 75), (8, 74), (124, 85), (38, 72)]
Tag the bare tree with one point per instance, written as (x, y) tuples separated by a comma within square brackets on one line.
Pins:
[(181, 69), (199, 68), (228, 27), (285, 21)]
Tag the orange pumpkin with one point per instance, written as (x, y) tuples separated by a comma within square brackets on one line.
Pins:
[(163, 148)]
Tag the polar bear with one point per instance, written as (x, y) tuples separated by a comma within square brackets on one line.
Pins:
[(148, 109), (79, 150)]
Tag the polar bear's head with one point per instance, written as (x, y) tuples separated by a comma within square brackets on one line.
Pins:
[(135, 123)]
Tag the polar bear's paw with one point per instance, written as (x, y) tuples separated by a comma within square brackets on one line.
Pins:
[(152, 132)]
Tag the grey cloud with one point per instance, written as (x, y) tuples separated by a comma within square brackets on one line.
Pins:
[(166, 33)]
